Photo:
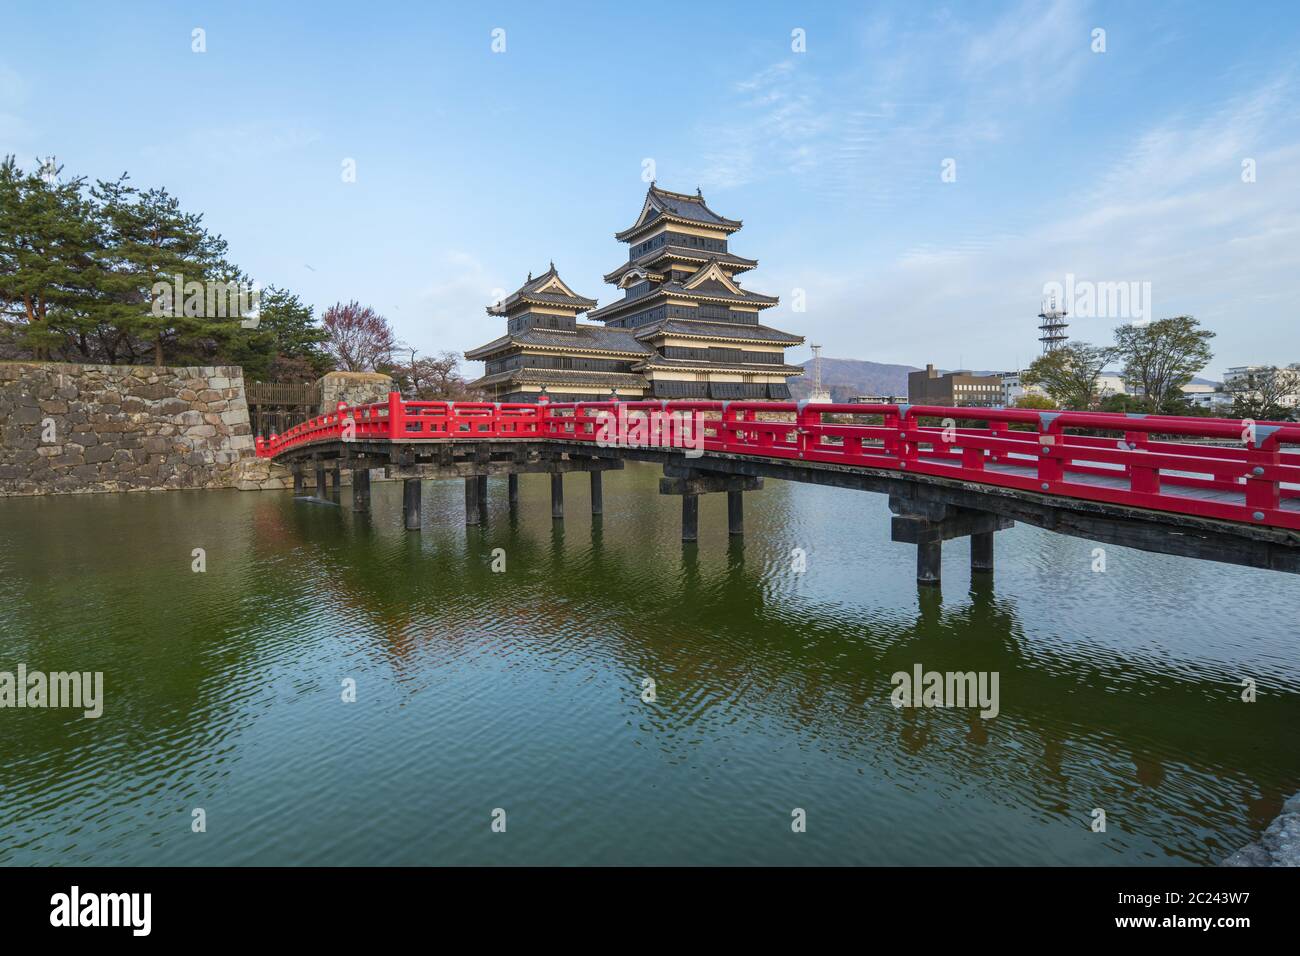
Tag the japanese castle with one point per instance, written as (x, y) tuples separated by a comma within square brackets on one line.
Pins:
[(684, 327)]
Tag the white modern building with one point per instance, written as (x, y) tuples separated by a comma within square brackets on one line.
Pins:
[(1111, 383), (1206, 396), (1239, 373), (1013, 388)]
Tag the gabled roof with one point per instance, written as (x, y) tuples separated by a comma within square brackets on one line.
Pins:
[(711, 276), (546, 289), (733, 331), (734, 262), (661, 205), (553, 376), (584, 338), (708, 288), (698, 365), (637, 274)]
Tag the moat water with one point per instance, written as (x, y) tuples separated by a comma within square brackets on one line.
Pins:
[(523, 690)]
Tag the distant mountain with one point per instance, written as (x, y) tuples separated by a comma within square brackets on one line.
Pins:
[(848, 378)]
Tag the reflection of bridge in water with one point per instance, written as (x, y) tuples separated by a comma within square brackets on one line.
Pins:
[(1119, 479), (1122, 732)]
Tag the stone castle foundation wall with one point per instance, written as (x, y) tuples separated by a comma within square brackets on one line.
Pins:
[(88, 428)]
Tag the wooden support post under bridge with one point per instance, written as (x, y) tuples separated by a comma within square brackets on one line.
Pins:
[(735, 512), (557, 496), (981, 552), (690, 483), (927, 524), (472, 500), (361, 489), (411, 503), (690, 517)]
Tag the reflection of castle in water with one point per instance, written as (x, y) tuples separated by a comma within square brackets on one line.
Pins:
[(728, 640)]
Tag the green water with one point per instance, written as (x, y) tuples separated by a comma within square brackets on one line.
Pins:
[(523, 690)]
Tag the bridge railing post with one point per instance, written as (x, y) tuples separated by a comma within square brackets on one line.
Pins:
[(1051, 454), (904, 446), (396, 414), (808, 422), (1263, 493)]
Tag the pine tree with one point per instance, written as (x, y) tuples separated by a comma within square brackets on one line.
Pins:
[(49, 258), (156, 250)]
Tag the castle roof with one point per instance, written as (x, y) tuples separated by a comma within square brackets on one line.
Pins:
[(663, 206), (584, 338), (733, 262), (555, 376), (710, 281), (546, 289), (734, 331)]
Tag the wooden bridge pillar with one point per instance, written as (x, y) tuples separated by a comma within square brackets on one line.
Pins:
[(320, 479), (929, 562), (597, 494), (928, 523), (981, 552), (557, 495), (298, 483), (690, 483), (482, 499), (411, 503), (472, 500), (690, 517), (735, 512), (336, 482), (512, 490), (361, 489)]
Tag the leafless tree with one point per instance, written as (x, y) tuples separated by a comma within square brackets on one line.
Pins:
[(360, 339)]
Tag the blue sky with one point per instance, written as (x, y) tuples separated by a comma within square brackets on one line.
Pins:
[(475, 167)]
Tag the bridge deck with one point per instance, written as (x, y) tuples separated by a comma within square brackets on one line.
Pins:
[(1028, 467), (1225, 470)]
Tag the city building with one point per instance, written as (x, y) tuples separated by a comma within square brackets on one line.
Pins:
[(684, 328), (1111, 383), (1241, 376), (955, 389), (1014, 388), (880, 400), (1206, 396)]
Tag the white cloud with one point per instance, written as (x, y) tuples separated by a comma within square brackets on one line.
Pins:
[(1174, 212), (450, 307), (877, 131)]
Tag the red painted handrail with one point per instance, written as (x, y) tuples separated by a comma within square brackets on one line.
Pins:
[(1007, 447)]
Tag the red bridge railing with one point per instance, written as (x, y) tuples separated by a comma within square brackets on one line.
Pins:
[(1148, 461)]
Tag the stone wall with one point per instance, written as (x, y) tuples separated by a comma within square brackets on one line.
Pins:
[(83, 428), (354, 388)]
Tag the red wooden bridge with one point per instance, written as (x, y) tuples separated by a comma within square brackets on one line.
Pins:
[(1222, 489)]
